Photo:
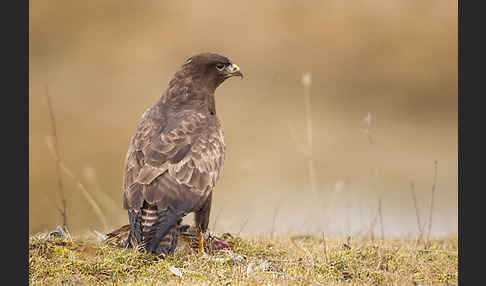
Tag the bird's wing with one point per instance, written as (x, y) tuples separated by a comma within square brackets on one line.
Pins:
[(176, 163)]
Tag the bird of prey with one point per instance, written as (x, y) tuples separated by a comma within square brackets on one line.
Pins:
[(176, 156)]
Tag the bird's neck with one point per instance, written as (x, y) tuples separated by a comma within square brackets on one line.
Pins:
[(189, 92)]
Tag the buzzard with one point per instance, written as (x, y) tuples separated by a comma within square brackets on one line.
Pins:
[(176, 156)]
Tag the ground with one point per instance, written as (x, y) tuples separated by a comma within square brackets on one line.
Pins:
[(254, 260)]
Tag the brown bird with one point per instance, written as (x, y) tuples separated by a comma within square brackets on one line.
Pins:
[(176, 156)]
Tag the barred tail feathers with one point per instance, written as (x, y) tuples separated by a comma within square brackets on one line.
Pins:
[(160, 229)]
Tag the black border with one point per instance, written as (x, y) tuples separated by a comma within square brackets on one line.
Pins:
[(471, 80), (15, 141)]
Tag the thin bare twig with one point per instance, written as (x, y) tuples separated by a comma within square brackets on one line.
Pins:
[(434, 186), (57, 157)]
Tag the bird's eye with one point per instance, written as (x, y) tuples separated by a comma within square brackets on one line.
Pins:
[(220, 66)]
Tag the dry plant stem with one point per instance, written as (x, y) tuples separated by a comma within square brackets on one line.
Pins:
[(87, 195), (99, 195), (378, 184), (307, 149), (85, 192), (434, 186), (275, 218), (417, 214), (63, 209), (62, 167), (381, 219), (372, 228), (326, 256), (310, 157)]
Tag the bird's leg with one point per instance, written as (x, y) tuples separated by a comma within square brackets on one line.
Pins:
[(202, 221), (201, 244)]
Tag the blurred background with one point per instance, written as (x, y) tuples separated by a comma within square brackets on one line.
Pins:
[(376, 80)]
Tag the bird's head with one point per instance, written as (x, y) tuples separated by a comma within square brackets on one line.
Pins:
[(211, 68)]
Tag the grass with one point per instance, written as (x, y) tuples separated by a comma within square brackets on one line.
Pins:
[(258, 260)]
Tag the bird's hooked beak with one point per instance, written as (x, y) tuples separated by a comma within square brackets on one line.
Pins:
[(233, 70)]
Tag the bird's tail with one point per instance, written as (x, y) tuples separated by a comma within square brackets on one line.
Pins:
[(160, 230), (163, 244), (153, 229)]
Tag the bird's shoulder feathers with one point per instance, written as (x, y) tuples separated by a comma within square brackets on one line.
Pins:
[(172, 155)]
